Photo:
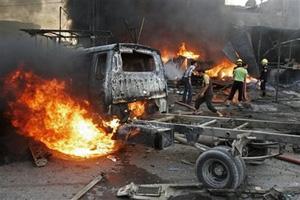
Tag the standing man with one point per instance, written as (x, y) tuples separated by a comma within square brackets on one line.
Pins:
[(206, 94), (263, 76), (239, 76), (187, 94)]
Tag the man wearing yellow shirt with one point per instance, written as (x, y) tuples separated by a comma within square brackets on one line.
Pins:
[(206, 94), (239, 76)]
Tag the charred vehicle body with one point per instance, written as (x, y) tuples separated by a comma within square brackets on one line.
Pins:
[(124, 73)]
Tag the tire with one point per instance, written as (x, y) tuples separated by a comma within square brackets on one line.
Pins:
[(257, 151), (238, 160), (254, 151), (216, 169)]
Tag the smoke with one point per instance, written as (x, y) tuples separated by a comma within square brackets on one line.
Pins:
[(41, 12), (174, 68), (44, 57), (202, 24), (18, 8)]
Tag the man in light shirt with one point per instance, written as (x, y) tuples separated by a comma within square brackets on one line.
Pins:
[(188, 93), (239, 76)]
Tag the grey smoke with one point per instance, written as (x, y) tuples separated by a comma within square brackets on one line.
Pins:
[(173, 70), (44, 57)]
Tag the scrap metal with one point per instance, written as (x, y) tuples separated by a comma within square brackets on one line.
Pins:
[(39, 153), (166, 191)]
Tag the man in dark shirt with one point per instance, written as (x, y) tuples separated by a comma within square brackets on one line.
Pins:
[(263, 76), (206, 94)]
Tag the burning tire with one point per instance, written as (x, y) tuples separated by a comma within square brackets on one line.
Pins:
[(216, 169), (238, 160)]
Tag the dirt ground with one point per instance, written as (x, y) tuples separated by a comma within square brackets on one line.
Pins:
[(62, 179)]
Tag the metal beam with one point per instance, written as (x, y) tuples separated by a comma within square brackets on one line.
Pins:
[(253, 123), (225, 132)]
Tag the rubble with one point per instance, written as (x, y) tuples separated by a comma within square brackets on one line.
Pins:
[(167, 191), (39, 152), (88, 187)]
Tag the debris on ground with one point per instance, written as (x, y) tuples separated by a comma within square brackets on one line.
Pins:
[(91, 184), (39, 152), (112, 158), (166, 191)]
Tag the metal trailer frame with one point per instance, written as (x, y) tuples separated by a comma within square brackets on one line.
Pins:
[(240, 132)]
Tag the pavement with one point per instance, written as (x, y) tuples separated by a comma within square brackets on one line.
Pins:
[(62, 179)]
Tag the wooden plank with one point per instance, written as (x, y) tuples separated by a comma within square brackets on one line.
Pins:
[(242, 126), (185, 105), (87, 187), (208, 123), (165, 119)]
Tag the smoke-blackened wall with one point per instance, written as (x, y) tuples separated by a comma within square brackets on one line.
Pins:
[(202, 24)]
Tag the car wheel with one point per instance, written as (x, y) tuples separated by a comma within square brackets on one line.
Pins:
[(216, 169)]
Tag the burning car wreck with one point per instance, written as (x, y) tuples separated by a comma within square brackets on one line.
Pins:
[(124, 73), (94, 104)]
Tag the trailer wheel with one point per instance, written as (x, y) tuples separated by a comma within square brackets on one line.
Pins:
[(238, 160), (216, 169)]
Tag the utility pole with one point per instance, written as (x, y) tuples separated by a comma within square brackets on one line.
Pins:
[(61, 11), (283, 22), (59, 38), (278, 69), (93, 18)]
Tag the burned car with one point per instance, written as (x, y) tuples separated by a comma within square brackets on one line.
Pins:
[(124, 73)]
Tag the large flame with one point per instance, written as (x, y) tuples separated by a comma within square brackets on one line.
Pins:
[(224, 71), (186, 53), (43, 110), (182, 51)]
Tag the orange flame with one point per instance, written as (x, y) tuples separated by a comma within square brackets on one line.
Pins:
[(186, 53), (43, 110), (137, 108), (224, 70), (221, 70), (166, 55)]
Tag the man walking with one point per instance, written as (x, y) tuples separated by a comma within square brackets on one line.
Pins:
[(239, 76), (187, 94), (206, 94), (263, 76)]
